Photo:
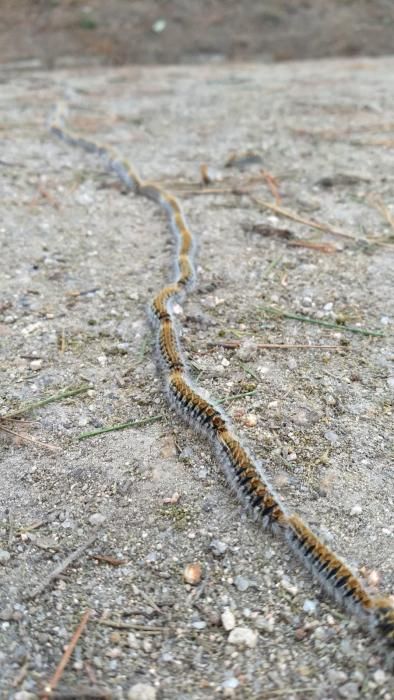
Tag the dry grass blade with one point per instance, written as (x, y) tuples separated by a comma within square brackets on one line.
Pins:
[(62, 567), (301, 220), (53, 682), (26, 438)]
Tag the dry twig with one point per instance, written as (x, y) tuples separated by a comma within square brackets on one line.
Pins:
[(54, 680), (60, 568)]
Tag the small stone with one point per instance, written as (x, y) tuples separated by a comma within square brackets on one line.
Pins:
[(289, 587), (225, 362), (25, 695), (379, 676), (229, 686), (228, 620), (241, 583), (6, 614), (243, 636), (247, 351), (132, 641), (192, 573), (250, 420), (159, 26), (4, 556), (331, 436), (309, 606), (320, 633), (97, 519), (336, 677), (356, 509), (142, 691), (292, 363), (199, 624), (349, 690), (265, 624), (218, 548), (36, 365)]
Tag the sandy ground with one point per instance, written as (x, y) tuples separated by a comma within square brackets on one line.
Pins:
[(56, 33), (80, 261)]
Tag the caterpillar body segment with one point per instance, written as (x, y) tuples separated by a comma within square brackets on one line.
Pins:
[(242, 471)]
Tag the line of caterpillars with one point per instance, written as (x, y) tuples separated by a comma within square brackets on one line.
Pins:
[(245, 477)]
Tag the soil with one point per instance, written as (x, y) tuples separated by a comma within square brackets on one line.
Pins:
[(80, 261), (53, 33)]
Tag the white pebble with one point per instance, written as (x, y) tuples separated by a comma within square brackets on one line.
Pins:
[(292, 363), (25, 695), (4, 556), (331, 436), (243, 636), (241, 583), (289, 587), (35, 365), (349, 690), (309, 606), (379, 676), (228, 620), (142, 691), (97, 519), (225, 362), (356, 510)]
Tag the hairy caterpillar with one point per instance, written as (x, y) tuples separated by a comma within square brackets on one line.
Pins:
[(242, 471)]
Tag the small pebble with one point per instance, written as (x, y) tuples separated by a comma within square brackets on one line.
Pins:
[(331, 436), (228, 620), (289, 587), (4, 556), (292, 363), (265, 624), (225, 362), (97, 519), (142, 691), (243, 636), (309, 606), (250, 420), (35, 365), (218, 548), (247, 351), (356, 509), (25, 695), (241, 583), (199, 624), (229, 687), (379, 676), (192, 573), (336, 677), (349, 690), (159, 26)]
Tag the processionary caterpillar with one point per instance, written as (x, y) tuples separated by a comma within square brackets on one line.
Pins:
[(241, 469)]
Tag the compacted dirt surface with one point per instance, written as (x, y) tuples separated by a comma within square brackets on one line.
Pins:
[(109, 523), (52, 33)]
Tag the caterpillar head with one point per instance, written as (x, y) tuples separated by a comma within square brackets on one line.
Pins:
[(384, 614)]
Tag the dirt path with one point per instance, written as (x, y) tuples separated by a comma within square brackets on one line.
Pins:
[(115, 32), (80, 261)]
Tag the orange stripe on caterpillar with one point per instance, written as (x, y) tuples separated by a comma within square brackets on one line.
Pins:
[(159, 304), (331, 571), (248, 482), (168, 346)]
